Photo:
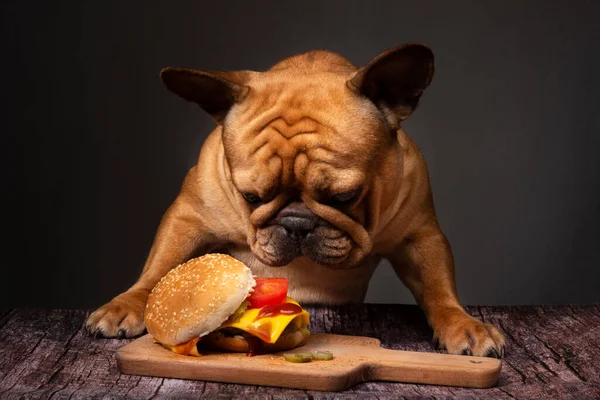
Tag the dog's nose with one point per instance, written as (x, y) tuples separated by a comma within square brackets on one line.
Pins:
[(297, 225), (297, 219)]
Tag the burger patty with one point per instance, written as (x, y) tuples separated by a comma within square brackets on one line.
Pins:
[(232, 332)]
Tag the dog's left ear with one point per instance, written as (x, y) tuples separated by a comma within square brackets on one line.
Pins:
[(395, 80), (214, 91)]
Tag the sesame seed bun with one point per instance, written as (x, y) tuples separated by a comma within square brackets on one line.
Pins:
[(196, 297)]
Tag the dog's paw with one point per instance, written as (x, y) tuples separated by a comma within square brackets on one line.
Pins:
[(122, 317), (459, 333)]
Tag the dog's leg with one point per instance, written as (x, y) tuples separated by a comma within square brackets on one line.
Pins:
[(179, 236), (425, 264)]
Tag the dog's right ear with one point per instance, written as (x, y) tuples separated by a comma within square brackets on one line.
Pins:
[(216, 92), (395, 80)]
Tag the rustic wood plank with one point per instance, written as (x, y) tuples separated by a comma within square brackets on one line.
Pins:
[(552, 352), (4, 315), (543, 343)]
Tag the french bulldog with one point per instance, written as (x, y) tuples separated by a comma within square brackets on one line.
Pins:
[(310, 176)]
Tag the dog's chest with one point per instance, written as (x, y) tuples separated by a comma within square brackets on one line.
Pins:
[(313, 283)]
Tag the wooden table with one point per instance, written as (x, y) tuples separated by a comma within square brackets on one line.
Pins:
[(552, 352)]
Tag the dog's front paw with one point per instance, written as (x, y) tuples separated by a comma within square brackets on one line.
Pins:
[(459, 333), (122, 317)]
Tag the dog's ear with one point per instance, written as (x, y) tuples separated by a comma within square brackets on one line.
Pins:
[(216, 92), (395, 80)]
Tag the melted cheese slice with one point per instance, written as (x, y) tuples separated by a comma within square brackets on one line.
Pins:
[(268, 329)]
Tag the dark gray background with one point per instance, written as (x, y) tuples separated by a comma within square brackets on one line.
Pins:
[(95, 149)]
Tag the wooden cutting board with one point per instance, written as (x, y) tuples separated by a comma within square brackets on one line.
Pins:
[(357, 359)]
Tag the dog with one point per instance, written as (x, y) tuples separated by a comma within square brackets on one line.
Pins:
[(310, 176)]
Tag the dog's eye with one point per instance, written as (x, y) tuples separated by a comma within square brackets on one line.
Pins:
[(251, 198), (345, 198)]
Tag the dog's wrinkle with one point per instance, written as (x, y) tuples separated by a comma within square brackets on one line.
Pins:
[(335, 245), (333, 235), (314, 250), (268, 235), (339, 243), (286, 129), (326, 230), (334, 252), (263, 236), (288, 135), (259, 147), (270, 250)]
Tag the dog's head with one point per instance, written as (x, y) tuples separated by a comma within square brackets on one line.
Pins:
[(310, 146)]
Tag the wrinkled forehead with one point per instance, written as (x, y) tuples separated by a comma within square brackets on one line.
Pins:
[(322, 96), (310, 129)]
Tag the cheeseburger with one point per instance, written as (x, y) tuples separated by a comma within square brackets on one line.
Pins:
[(214, 302)]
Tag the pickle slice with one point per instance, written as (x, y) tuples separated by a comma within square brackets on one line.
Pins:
[(307, 357), (322, 355), (298, 357)]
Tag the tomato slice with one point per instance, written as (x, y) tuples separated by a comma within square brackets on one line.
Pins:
[(268, 292)]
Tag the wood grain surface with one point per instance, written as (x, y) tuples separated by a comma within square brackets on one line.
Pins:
[(552, 352)]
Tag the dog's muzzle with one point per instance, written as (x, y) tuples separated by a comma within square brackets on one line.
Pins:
[(295, 231)]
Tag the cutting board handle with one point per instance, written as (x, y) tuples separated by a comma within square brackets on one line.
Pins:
[(432, 368)]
